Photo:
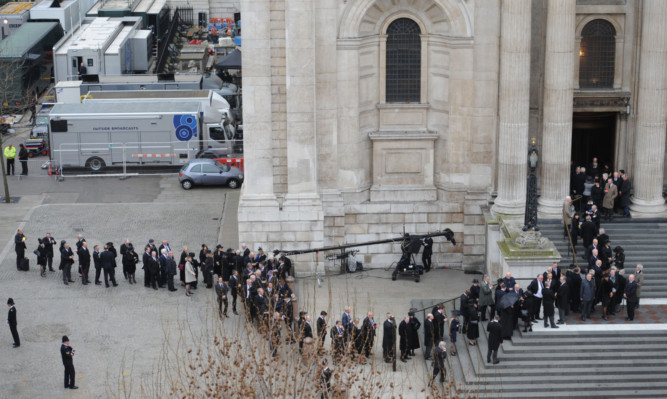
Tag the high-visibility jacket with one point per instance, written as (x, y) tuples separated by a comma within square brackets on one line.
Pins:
[(10, 152)]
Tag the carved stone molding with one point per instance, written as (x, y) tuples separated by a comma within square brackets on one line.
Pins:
[(591, 101)]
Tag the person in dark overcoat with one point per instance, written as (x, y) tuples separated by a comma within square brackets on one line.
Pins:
[(429, 335), (495, 340), (473, 326), (403, 338), (413, 333), (588, 231), (548, 301), (388, 339)]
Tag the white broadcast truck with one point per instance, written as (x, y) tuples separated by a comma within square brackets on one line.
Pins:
[(214, 106), (96, 135)]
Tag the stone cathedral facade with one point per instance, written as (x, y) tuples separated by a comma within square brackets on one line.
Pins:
[(368, 118)]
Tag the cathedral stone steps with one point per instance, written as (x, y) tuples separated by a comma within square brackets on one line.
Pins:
[(604, 364), (643, 241)]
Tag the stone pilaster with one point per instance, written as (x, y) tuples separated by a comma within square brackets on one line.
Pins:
[(257, 100), (557, 119), (300, 68), (513, 106), (647, 173)]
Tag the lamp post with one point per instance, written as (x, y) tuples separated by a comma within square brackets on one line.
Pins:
[(530, 221)]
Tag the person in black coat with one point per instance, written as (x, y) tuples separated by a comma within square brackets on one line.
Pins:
[(403, 339), (495, 340), (11, 321), (439, 320), (325, 377), (108, 262), (48, 245), (84, 262), (429, 335), (606, 292), (389, 338), (234, 286), (463, 309), (321, 330), (368, 335), (67, 354), (473, 326), (146, 259), (172, 269), (427, 253), (337, 335), (624, 192), (207, 269), (66, 262), (413, 333), (548, 300), (563, 299), (588, 232), (439, 362), (19, 247), (631, 297), (130, 260), (41, 257), (574, 282)]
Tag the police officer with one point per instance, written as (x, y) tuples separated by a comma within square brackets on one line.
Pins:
[(11, 320), (67, 354), (10, 154)]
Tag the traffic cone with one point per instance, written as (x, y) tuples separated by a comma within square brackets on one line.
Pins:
[(50, 173)]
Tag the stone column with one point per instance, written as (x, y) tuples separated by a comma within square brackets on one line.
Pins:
[(513, 106), (301, 127), (647, 173), (557, 109), (257, 100)]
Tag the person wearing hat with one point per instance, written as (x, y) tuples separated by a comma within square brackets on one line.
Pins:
[(67, 354), (11, 320), (151, 244)]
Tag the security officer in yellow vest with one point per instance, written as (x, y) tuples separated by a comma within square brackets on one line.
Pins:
[(10, 154)]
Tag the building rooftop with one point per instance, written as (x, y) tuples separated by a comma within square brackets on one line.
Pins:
[(25, 37), (14, 8)]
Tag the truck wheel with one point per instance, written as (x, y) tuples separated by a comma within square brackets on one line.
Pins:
[(233, 183), (31, 154), (186, 184), (95, 164)]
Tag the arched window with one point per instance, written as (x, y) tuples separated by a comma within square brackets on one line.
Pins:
[(597, 55), (403, 68)]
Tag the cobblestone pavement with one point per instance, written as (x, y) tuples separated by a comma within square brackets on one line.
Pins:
[(121, 331)]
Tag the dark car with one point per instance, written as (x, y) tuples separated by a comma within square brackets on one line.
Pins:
[(209, 172)]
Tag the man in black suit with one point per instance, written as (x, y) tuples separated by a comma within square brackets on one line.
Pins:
[(84, 262), (439, 319), (321, 330), (262, 308), (389, 339), (164, 264), (429, 335), (624, 193), (325, 376), (368, 335), (48, 246), (172, 269), (19, 247), (67, 354), (337, 341), (234, 289), (221, 290), (630, 295), (588, 231), (536, 287), (548, 300), (427, 253), (563, 300), (66, 261), (495, 340), (146, 261), (108, 259), (11, 320), (305, 330)]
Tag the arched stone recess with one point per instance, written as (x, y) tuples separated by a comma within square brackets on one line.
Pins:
[(396, 143)]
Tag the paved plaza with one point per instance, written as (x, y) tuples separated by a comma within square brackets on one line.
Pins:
[(121, 331)]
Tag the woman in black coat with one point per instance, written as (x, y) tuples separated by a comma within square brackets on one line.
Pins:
[(606, 291), (473, 326), (130, 260), (507, 322), (181, 265), (413, 333)]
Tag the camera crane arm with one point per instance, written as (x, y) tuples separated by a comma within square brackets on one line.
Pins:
[(447, 233)]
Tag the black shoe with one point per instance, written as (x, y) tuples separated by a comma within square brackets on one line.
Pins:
[(496, 362), (403, 360), (16, 346), (155, 288), (555, 326), (73, 387), (98, 283), (107, 285), (236, 313), (66, 283), (51, 270), (560, 322), (538, 318), (115, 285)]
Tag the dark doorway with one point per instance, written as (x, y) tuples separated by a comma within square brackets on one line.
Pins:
[(594, 135)]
